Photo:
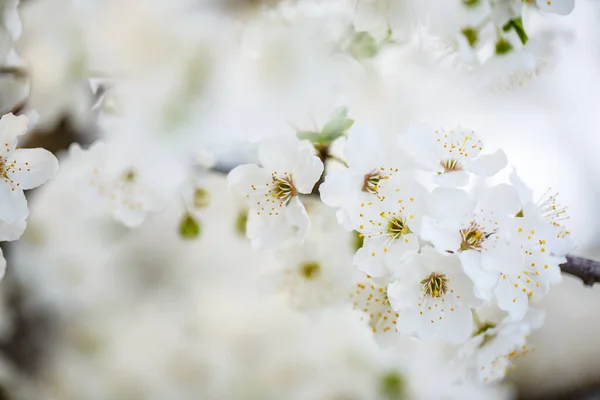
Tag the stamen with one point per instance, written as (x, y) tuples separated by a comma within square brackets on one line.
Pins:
[(371, 182), (436, 285), (451, 165), (397, 227)]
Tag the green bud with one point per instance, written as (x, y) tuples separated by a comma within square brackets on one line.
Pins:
[(471, 35), (201, 198), (470, 3), (503, 46), (240, 222), (392, 386), (189, 228)]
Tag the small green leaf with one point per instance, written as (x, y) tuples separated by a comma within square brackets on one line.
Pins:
[(336, 127), (503, 46), (471, 35), (517, 25), (189, 228)]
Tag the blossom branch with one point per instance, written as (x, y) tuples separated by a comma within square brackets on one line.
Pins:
[(586, 270)]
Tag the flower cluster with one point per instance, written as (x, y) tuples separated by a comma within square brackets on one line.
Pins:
[(436, 246)]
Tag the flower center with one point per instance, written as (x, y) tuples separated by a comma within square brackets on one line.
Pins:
[(129, 175), (397, 227), (371, 182), (282, 188), (436, 285), (451, 165), (310, 270), (473, 237)]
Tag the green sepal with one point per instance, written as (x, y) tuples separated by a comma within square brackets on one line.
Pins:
[(471, 35), (517, 25), (189, 227), (503, 46)]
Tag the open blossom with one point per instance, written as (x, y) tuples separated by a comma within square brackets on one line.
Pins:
[(369, 162), (316, 274), (561, 7), (390, 224), (433, 296), (288, 169), (451, 154), (534, 269), (489, 354), (472, 229), (21, 169), (371, 298), (548, 209)]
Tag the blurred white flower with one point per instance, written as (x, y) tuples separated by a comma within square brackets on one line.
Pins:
[(489, 354), (276, 213)]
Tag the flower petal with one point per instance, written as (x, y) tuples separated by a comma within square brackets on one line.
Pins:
[(560, 7), (2, 264), (297, 216), (13, 205), (11, 127), (12, 231), (489, 164), (452, 179), (279, 153), (242, 178), (306, 171), (29, 168), (456, 326)]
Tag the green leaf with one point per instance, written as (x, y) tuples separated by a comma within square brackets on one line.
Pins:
[(189, 228), (337, 126), (517, 25)]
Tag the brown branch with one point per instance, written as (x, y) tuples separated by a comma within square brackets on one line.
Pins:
[(586, 270)]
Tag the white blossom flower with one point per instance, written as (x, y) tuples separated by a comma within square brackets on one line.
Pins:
[(288, 169), (368, 162), (489, 353), (433, 296), (371, 298), (472, 228), (547, 208), (316, 274), (21, 169), (451, 155), (129, 184), (561, 7), (390, 223)]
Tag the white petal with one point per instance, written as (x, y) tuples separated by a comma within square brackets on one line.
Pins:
[(128, 217), (452, 179), (368, 264), (455, 326), (511, 299), (13, 231), (336, 188), (525, 193), (279, 153), (443, 235), (13, 205), (363, 149), (11, 127), (297, 216), (306, 171), (503, 199), (242, 177), (454, 204), (483, 280), (561, 7), (488, 164), (503, 258), (29, 168), (267, 232)]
